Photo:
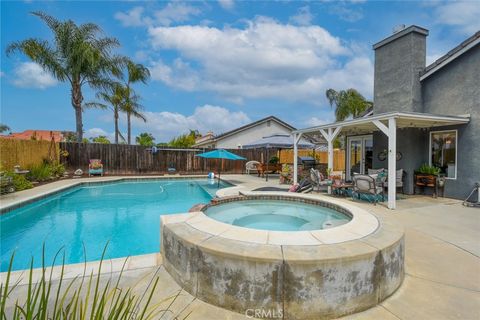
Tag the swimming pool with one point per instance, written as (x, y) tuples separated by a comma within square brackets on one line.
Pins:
[(126, 214), (276, 215)]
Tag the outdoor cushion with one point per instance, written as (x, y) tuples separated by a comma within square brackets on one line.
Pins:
[(375, 171), (95, 164)]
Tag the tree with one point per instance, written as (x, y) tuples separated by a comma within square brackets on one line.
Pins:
[(185, 140), (132, 107), (101, 139), (4, 128), (114, 96), (77, 55), (347, 103), (145, 139)]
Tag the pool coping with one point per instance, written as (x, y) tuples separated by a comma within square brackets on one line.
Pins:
[(22, 200), (109, 266), (362, 224)]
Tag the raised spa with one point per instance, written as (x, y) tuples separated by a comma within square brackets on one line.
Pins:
[(305, 274), (279, 215)]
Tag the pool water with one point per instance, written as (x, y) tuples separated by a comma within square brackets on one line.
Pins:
[(276, 215), (125, 214)]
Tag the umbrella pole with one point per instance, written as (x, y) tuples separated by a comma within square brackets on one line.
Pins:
[(218, 183), (266, 172)]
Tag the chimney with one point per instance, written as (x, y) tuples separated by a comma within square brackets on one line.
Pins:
[(399, 59)]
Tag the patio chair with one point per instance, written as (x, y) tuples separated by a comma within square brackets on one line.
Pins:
[(251, 166), (318, 180), (95, 166), (367, 185), (171, 168), (400, 177), (286, 174)]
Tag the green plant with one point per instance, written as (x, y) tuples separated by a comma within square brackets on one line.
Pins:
[(101, 139), (145, 139), (427, 169), (83, 297), (41, 172), (274, 160), (20, 182)]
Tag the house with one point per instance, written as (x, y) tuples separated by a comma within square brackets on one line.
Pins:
[(45, 135), (238, 137), (421, 114)]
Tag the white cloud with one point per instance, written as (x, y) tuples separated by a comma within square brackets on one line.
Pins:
[(227, 4), (346, 13), (315, 121), (32, 75), (96, 132), (461, 14), (175, 12), (166, 125), (303, 17), (132, 18), (171, 13), (265, 59)]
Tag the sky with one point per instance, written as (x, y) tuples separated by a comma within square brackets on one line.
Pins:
[(217, 65)]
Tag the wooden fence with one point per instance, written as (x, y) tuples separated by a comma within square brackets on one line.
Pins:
[(25, 153), (133, 159), (286, 156)]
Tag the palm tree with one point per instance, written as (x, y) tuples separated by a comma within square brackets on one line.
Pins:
[(132, 107), (4, 127), (114, 96), (77, 55), (347, 103)]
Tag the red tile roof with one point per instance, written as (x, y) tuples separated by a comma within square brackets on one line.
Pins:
[(45, 135)]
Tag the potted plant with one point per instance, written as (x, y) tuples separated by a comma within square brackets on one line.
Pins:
[(426, 176)]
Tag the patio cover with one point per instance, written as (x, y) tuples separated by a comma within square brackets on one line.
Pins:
[(280, 141), (384, 122)]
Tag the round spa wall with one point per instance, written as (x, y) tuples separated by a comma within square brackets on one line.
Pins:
[(287, 254)]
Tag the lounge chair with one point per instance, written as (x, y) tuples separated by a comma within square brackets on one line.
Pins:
[(367, 185), (95, 166), (251, 166)]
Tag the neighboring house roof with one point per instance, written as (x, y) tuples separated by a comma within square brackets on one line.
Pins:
[(279, 140), (37, 135), (245, 127), (463, 47)]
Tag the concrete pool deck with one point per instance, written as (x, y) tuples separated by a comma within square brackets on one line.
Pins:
[(442, 260)]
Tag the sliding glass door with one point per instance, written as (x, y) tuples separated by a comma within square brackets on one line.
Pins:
[(359, 155)]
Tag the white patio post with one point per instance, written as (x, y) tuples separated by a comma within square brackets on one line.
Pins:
[(330, 136), (392, 163), (391, 133), (296, 139)]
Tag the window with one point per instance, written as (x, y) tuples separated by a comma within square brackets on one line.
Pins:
[(443, 152)]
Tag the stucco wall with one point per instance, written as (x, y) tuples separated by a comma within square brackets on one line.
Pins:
[(455, 90), (251, 134), (396, 81), (413, 145)]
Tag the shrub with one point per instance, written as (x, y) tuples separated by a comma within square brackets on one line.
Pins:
[(40, 172), (46, 171), (274, 160), (19, 181)]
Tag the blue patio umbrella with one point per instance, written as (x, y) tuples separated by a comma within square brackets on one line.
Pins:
[(220, 154)]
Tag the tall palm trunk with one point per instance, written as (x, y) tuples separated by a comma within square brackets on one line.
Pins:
[(77, 100), (115, 115), (129, 127)]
